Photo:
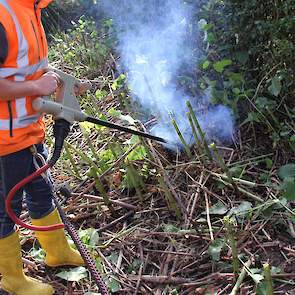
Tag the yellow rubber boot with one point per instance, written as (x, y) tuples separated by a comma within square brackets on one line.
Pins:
[(14, 281), (58, 251)]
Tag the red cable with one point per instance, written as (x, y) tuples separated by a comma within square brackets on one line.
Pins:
[(13, 191)]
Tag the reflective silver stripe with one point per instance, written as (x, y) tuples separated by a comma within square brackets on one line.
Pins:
[(24, 71), (19, 122), (20, 105), (23, 49)]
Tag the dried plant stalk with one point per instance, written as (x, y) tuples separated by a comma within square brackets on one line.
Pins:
[(72, 161), (135, 179), (172, 204), (221, 162), (100, 188)]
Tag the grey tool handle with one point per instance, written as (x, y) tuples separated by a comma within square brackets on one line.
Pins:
[(58, 110)]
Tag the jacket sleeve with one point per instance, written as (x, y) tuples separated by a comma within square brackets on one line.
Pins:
[(3, 45)]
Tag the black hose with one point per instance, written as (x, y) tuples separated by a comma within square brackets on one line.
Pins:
[(89, 262), (125, 129), (61, 129)]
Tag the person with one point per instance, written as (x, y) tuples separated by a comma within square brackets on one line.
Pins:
[(23, 78)]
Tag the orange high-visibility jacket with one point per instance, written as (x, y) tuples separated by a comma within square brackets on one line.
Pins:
[(20, 125)]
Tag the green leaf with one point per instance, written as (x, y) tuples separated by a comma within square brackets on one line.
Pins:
[(219, 209), (87, 126), (128, 119), (215, 249), (73, 275), (262, 288), (252, 117), (289, 193), (138, 154), (275, 87), (287, 171), (113, 285), (114, 113), (170, 228), (242, 56), (241, 210), (89, 236), (256, 275), (100, 94), (220, 65), (206, 64)]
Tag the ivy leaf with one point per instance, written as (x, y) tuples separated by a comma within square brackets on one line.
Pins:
[(73, 275), (220, 65), (276, 86)]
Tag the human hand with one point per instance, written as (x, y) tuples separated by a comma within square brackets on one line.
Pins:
[(47, 84)]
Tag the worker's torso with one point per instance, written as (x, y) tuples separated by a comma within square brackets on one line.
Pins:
[(20, 125)]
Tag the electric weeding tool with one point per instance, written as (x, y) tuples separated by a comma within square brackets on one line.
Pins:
[(66, 110)]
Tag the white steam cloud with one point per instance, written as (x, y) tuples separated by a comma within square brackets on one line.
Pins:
[(153, 46)]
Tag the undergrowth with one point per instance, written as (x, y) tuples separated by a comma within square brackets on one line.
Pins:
[(202, 223)]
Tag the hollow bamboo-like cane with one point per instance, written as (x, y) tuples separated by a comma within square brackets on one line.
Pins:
[(268, 279), (201, 133), (230, 232), (185, 145)]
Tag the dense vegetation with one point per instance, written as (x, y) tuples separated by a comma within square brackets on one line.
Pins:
[(198, 223)]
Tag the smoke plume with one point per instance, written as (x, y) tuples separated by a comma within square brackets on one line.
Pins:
[(154, 48)]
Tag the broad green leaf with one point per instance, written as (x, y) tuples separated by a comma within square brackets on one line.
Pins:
[(89, 236), (275, 86), (287, 171), (100, 94), (38, 254), (242, 56), (73, 275), (219, 209), (215, 249), (138, 154), (87, 126), (220, 65), (170, 228), (128, 119), (252, 117), (241, 210), (113, 285), (114, 113), (206, 64), (262, 288), (289, 193)]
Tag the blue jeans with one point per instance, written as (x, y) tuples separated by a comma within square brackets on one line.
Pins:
[(38, 193)]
